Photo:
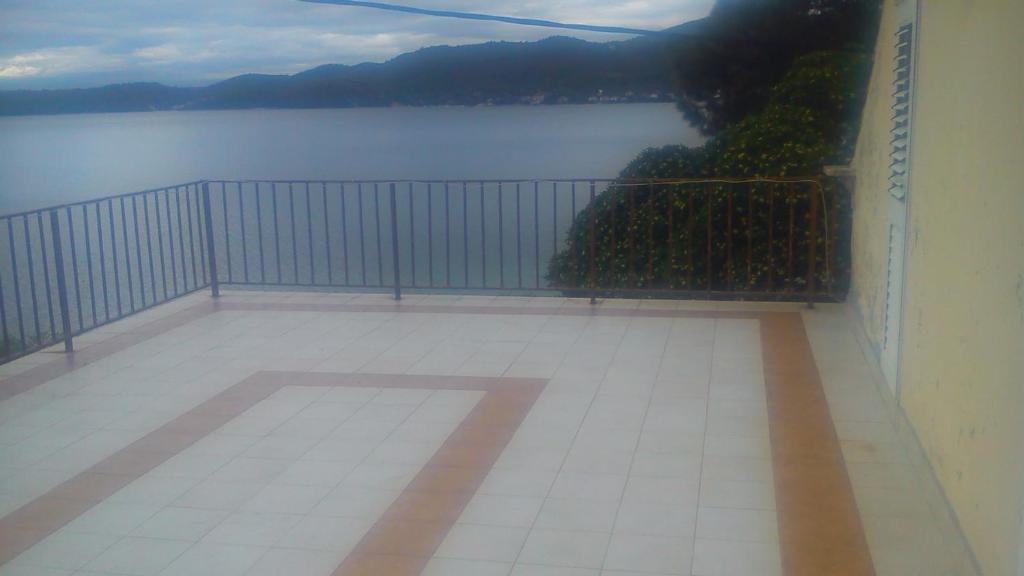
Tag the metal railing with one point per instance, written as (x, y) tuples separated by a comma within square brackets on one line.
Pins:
[(75, 267), (72, 268)]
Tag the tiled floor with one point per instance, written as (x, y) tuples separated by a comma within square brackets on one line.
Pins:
[(337, 434)]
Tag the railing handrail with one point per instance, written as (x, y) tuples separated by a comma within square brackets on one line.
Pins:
[(99, 199), (617, 181), (655, 237)]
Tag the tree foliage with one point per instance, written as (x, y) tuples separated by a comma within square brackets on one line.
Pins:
[(726, 69), (657, 236), (811, 119)]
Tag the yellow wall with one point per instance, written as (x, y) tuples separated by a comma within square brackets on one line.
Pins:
[(962, 364), (871, 165)]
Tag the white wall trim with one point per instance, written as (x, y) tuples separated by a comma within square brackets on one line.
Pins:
[(1020, 544)]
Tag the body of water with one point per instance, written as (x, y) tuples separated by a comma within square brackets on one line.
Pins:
[(46, 160), (131, 252)]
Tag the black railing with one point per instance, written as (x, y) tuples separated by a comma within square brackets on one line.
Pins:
[(71, 268)]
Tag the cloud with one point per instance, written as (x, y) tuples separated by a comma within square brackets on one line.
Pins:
[(19, 71), (56, 61), (160, 53), (54, 43)]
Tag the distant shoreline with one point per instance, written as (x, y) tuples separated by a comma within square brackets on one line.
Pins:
[(393, 107), (553, 71)]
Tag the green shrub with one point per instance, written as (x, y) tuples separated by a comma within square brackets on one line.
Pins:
[(656, 236)]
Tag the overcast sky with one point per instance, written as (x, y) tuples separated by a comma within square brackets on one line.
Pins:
[(63, 43)]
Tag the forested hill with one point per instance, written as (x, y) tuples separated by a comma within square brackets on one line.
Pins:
[(550, 71)]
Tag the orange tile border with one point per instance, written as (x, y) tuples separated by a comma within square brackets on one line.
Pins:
[(820, 531), (407, 534)]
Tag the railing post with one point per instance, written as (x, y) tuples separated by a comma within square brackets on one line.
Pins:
[(210, 252), (812, 250), (394, 242), (593, 245), (62, 287)]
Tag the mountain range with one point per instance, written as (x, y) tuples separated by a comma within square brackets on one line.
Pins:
[(550, 71)]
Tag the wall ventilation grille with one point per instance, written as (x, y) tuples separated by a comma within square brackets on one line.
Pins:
[(900, 132)]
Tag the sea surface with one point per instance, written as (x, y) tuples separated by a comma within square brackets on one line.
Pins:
[(128, 253), (47, 160)]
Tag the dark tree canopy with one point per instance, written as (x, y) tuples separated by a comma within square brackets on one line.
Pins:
[(778, 85), (811, 118), (725, 70)]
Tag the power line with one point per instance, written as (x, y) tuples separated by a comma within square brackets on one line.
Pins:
[(487, 17)]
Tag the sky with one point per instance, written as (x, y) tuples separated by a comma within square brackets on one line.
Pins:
[(84, 43)]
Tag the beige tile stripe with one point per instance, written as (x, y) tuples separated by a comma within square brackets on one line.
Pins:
[(43, 373), (405, 537), (820, 529), (524, 310)]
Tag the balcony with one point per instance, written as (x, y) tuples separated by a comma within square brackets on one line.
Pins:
[(491, 421)]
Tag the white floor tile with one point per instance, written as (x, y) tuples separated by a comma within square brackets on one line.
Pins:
[(480, 542), (511, 511), (589, 486), (252, 529), (67, 550), (659, 554), (652, 518), (677, 491), (207, 559), (282, 499), (565, 548), (727, 494), (325, 533), (138, 556), (517, 482), (278, 561), (349, 502), (112, 518), (533, 570), (737, 524), (577, 514), (218, 495), (180, 524), (456, 567), (730, 558)]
